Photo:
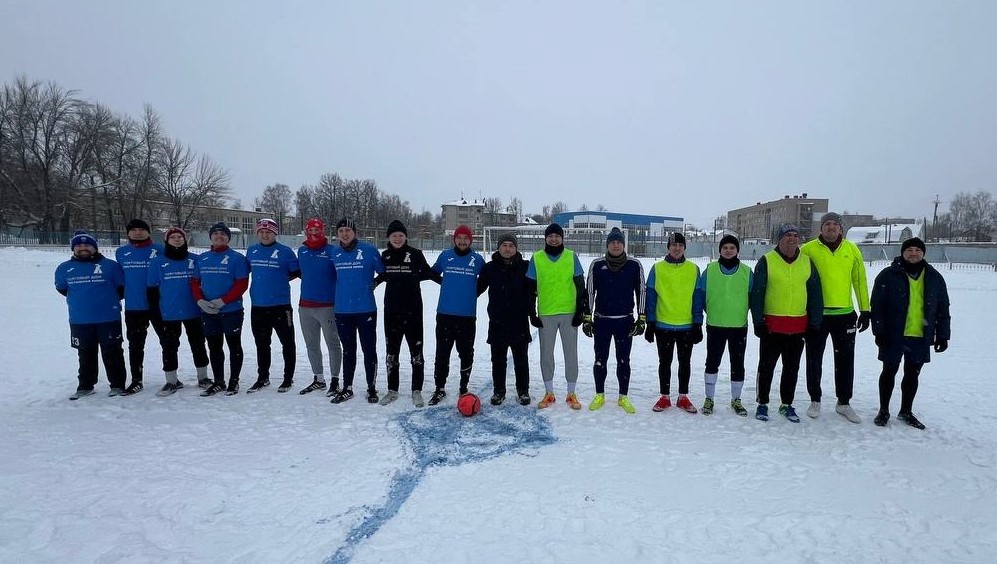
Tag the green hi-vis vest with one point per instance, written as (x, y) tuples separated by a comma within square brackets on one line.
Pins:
[(674, 284), (555, 283), (914, 325), (786, 295), (727, 296)]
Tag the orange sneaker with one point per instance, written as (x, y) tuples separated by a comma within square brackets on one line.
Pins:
[(685, 404), (573, 402), (663, 403), (547, 401)]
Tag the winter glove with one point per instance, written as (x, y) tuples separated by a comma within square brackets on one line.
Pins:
[(865, 318), (536, 321), (587, 325), (761, 331), (638, 326), (941, 345), (697, 333), (576, 319), (217, 303), (206, 307), (649, 333)]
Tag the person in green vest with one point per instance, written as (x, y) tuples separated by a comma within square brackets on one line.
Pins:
[(910, 313), (674, 310), (727, 283), (786, 302), (842, 272), (561, 303)]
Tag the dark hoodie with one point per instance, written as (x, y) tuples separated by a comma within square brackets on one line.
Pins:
[(404, 269), (510, 299)]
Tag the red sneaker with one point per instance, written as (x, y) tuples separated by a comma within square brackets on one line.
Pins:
[(547, 401), (663, 403), (685, 404)]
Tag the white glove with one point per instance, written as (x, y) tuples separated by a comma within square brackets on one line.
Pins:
[(217, 303), (207, 307)]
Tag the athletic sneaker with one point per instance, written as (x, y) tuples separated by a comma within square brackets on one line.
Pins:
[(135, 388), (524, 398), (547, 401), (735, 404), (624, 402), (685, 404), (212, 390), (233, 387), (762, 413), (708, 406), (204, 384), (848, 413), (663, 403), (81, 394), (813, 411), (417, 399), (285, 386), (789, 413), (116, 392), (372, 395), (909, 419), (597, 402), (315, 385), (257, 386), (437, 397), (168, 390), (342, 395), (881, 418), (572, 401), (497, 398), (389, 397)]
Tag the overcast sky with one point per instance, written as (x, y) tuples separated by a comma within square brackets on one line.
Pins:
[(666, 107)]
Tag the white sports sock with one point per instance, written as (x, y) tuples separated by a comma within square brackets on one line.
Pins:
[(735, 389), (711, 384)]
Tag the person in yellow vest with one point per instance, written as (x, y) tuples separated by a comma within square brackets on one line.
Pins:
[(839, 263), (561, 303), (727, 283), (785, 301), (910, 313), (675, 319)]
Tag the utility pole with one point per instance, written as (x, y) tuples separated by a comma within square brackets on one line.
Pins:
[(934, 219)]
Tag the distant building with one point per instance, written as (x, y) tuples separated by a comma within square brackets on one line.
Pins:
[(638, 225), (475, 215), (762, 220), (885, 234)]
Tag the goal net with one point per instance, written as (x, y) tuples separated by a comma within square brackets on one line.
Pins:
[(530, 238)]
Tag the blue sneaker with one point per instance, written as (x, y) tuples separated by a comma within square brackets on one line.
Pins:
[(762, 413), (788, 412)]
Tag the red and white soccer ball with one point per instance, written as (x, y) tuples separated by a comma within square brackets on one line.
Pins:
[(468, 405)]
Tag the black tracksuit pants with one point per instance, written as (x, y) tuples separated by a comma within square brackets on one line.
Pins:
[(136, 331), (171, 342), (771, 348), (265, 321), (397, 327), (454, 330), (841, 329)]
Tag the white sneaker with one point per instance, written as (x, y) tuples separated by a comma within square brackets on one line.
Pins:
[(848, 413), (813, 411)]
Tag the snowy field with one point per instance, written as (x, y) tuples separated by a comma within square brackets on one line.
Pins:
[(286, 478)]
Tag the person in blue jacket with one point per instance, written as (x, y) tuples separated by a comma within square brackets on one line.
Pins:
[(316, 306), (272, 265), (910, 316), (221, 277), (93, 286), (169, 293), (457, 310), (134, 259), (356, 262)]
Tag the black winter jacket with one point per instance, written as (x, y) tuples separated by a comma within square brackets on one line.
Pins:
[(404, 269), (889, 301), (509, 299)]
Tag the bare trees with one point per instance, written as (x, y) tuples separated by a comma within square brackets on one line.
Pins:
[(973, 215), (335, 197)]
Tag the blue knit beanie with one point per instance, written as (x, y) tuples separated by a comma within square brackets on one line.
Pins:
[(81, 237)]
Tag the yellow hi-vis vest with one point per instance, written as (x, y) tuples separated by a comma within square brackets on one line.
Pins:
[(556, 291)]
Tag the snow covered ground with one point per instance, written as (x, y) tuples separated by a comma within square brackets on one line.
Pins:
[(281, 477)]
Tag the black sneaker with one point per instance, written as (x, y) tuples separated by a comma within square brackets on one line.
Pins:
[(259, 385), (81, 394), (909, 419), (233, 387), (372, 395), (316, 385), (168, 390), (437, 397), (135, 388), (342, 395), (212, 390), (115, 392), (286, 385), (333, 387), (204, 384), (497, 399), (524, 398), (881, 418)]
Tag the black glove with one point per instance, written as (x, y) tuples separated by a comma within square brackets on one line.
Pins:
[(649, 333), (576, 319), (536, 321), (587, 325), (697, 333), (865, 318), (639, 326), (941, 345), (881, 341), (761, 330)]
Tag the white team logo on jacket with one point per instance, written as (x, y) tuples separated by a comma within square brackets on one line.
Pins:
[(225, 259), (360, 254), (97, 269), (408, 257), (152, 255), (275, 253)]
